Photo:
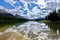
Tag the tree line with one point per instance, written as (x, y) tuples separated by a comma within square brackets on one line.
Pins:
[(7, 17), (53, 16)]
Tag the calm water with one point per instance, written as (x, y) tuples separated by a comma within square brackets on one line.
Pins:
[(31, 30)]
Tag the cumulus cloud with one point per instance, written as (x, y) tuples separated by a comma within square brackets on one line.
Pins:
[(38, 11), (30, 0), (10, 1), (1, 7)]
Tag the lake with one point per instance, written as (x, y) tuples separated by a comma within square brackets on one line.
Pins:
[(31, 30)]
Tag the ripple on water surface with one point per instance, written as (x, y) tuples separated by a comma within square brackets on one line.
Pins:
[(28, 31)]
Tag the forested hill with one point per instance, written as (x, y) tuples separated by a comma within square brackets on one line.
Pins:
[(7, 17)]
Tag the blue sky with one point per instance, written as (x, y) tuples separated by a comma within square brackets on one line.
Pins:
[(6, 5), (31, 6), (27, 8)]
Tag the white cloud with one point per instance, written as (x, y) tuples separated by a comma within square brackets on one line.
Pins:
[(15, 11), (36, 13), (1, 7), (35, 10), (10, 1), (41, 2), (29, 1)]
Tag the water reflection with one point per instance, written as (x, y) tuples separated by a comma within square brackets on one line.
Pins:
[(55, 26), (33, 31)]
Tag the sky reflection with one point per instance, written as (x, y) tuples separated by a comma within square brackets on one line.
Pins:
[(33, 30)]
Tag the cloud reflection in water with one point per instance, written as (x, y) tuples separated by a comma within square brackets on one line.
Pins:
[(31, 29)]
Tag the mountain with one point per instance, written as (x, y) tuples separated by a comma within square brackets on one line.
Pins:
[(29, 7), (18, 16), (7, 17), (39, 19), (3, 12)]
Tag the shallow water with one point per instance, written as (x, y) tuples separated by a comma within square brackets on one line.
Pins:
[(31, 30)]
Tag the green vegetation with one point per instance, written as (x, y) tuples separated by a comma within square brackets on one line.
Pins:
[(53, 16), (54, 26), (58, 14), (53, 20), (7, 17)]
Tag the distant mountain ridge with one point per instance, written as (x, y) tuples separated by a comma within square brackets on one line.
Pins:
[(4, 15), (9, 14)]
